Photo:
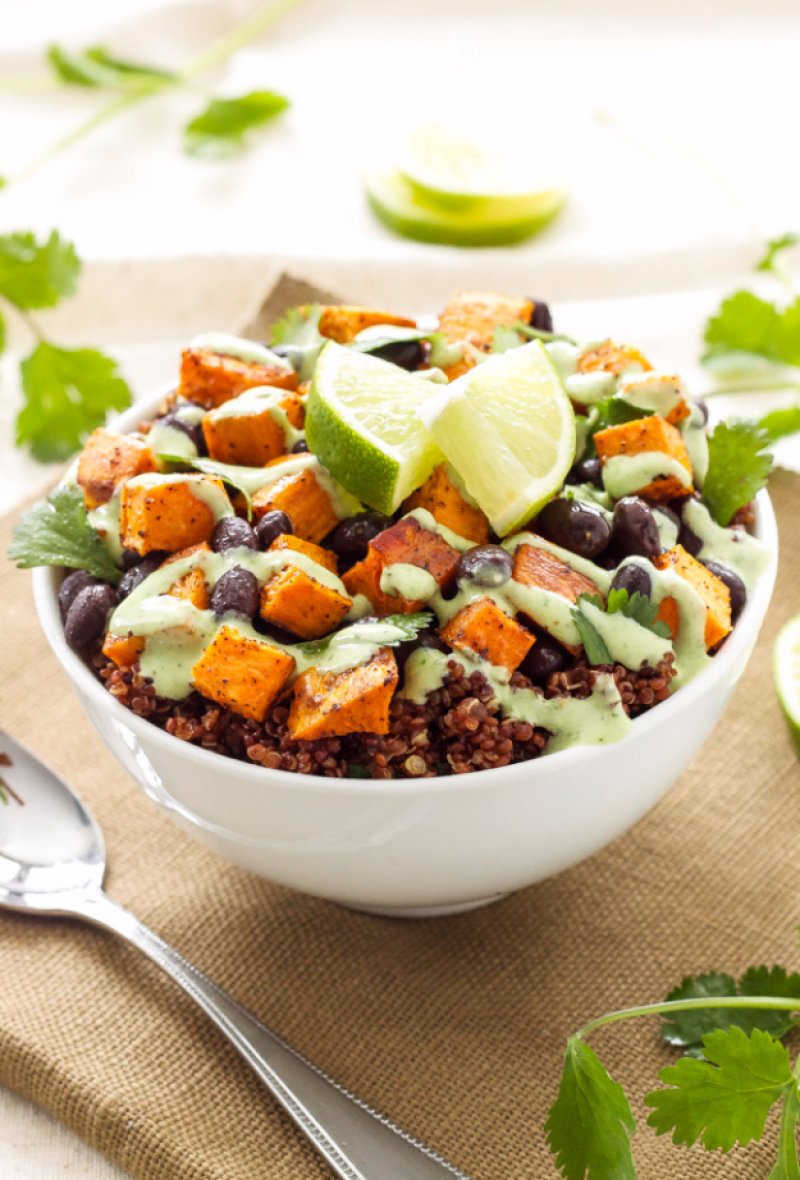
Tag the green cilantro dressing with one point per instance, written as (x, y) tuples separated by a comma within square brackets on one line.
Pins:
[(426, 520), (732, 547), (694, 434), (408, 581), (589, 493), (564, 357), (202, 488), (106, 519), (658, 393), (668, 531), (586, 388), (628, 642), (258, 400), (625, 474), (249, 351), (169, 440), (689, 644)]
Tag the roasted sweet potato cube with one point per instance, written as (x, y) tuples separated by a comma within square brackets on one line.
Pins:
[(209, 378), (192, 585), (408, 542), (169, 513), (711, 589), (440, 496), (473, 316), (293, 600), (365, 578), (251, 439), (612, 358), (305, 501), (644, 435), (108, 459), (332, 704), (485, 629), (323, 557), (343, 322), (242, 674), (124, 650), (534, 566)]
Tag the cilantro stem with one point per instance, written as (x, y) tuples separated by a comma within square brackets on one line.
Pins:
[(776, 1003), (236, 38), (30, 323)]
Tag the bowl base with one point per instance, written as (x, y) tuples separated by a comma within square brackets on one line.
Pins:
[(424, 911)]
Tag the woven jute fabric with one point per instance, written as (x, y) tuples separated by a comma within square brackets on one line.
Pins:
[(453, 1026)]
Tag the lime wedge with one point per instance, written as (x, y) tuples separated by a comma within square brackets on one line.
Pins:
[(458, 219), (508, 428), (361, 423), (787, 673)]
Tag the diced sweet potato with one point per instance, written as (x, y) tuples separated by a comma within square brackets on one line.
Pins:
[(612, 358), (408, 542), (242, 674), (332, 704), (168, 514), (343, 322), (483, 628), (192, 585), (440, 496), (711, 589), (209, 379), (108, 459), (251, 439), (293, 600), (534, 566), (473, 316), (124, 650), (678, 413), (653, 433), (365, 578), (305, 501), (323, 557)]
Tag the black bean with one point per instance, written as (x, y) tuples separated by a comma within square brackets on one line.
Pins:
[(431, 639), (300, 447), (689, 540), (581, 528), (231, 532), (634, 532), (634, 579), (587, 471), (545, 657), (71, 587), (350, 537), (86, 617), (408, 354), (734, 583), (540, 316), (130, 558), (272, 524), (236, 593), (137, 573), (485, 565)]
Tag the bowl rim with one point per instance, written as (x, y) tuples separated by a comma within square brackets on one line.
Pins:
[(747, 628)]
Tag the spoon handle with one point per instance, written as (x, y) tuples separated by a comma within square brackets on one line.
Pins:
[(357, 1142)]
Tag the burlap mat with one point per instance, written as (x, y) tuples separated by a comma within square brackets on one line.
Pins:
[(456, 1026)]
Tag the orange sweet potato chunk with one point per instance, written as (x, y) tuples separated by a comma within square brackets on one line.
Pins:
[(167, 515), (252, 439), (192, 585), (242, 674), (209, 379), (124, 650), (711, 589), (293, 600), (332, 704), (652, 433), (612, 358), (440, 496), (536, 567), (483, 628), (408, 542), (473, 316), (343, 322), (108, 459), (304, 500), (323, 557), (365, 578)]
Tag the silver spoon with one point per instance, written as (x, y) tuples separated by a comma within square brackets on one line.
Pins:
[(52, 861)]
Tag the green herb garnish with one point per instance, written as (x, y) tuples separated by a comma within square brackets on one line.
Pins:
[(780, 423), (37, 274), (687, 1029), (229, 473), (298, 333), (774, 248), (223, 127), (58, 532), (738, 467), (636, 606), (96, 67), (408, 625)]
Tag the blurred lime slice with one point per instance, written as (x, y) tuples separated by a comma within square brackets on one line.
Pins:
[(361, 423), (787, 673), (508, 428)]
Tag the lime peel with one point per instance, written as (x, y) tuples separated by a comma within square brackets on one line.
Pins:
[(786, 667)]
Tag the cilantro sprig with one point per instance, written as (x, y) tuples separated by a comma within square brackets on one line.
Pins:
[(409, 627), (58, 532), (738, 467), (636, 606), (224, 126), (67, 392)]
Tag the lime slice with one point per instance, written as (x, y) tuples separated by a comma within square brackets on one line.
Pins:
[(787, 673), (404, 207), (508, 428), (361, 423)]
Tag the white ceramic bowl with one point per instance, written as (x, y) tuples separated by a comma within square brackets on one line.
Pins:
[(410, 847)]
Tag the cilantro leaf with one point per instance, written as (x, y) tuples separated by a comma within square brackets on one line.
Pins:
[(37, 274), (780, 423), (590, 1123), (408, 625), (640, 608), (68, 392), (58, 532), (593, 644), (738, 467), (96, 67), (220, 130), (776, 246), (297, 331), (687, 1029), (746, 323), (726, 1098)]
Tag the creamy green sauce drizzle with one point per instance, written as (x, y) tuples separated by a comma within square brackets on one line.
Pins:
[(689, 645), (586, 388), (564, 357), (732, 547), (408, 581), (169, 440), (625, 474), (668, 531), (658, 393), (249, 351), (214, 497), (588, 493), (694, 434), (427, 521), (259, 400), (627, 641), (106, 520)]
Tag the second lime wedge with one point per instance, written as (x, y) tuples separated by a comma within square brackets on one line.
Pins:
[(361, 423), (787, 673), (508, 428)]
